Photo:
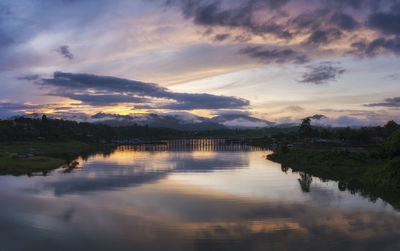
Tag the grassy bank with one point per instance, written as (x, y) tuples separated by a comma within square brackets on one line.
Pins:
[(46, 156), (355, 170)]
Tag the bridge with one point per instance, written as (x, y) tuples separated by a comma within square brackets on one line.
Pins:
[(207, 145)]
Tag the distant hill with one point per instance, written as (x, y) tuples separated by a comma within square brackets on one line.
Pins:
[(178, 120), (241, 121)]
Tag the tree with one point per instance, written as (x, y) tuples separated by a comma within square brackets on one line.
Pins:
[(392, 144), (390, 127), (305, 129), (325, 134)]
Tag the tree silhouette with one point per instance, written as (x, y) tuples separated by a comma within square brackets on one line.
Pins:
[(305, 129)]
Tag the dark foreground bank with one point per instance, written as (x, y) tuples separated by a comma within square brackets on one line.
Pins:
[(19, 158), (365, 172)]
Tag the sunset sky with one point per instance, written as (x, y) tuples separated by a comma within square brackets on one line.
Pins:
[(279, 60)]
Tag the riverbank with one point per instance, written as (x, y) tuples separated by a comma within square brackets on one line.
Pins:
[(29, 157), (365, 171)]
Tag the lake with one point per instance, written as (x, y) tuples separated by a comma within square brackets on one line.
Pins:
[(188, 195)]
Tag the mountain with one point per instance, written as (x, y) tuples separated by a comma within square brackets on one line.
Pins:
[(241, 120), (179, 121), (176, 120)]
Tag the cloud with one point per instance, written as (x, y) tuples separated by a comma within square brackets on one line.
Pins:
[(9, 109), (318, 25), (294, 108), (372, 117), (238, 15), (19, 106), (105, 90), (221, 37), (344, 21), (64, 50), (394, 76), (324, 36), (104, 99), (376, 47), (232, 113), (389, 102), (29, 77), (386, 22), (189, 101), (322, 73), (344, 121), (317, 117), (352, 119), (267, 55), (239, 119)]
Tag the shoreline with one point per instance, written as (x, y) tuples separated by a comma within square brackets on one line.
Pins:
[(28, 157), (363, 172)]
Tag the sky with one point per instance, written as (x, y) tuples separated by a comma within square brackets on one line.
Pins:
[(279, 60)]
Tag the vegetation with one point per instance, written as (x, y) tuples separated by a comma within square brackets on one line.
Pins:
[(30, 157), (328, 164), (373, 172), (15, 166), (54, 130), (49, 143)]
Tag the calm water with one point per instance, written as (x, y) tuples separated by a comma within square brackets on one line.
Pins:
[(184, 197)]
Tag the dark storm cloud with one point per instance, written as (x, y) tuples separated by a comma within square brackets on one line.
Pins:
[(65, 52), (189, 101), (322, 73), (389, 102), (105, 90), (321, 23), (344, 21), (309, 20), (324, 36), (83, 82), (213, 13), (267, 55), (392, 44), (376, 47), (386, 22), (104, 99), (356, 4)]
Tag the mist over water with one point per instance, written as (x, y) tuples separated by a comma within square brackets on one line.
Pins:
[(188, 195)]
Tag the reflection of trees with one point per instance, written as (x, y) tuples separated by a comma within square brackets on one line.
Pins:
[(305, 182), (342, 186), (353, 186), (284, 168)]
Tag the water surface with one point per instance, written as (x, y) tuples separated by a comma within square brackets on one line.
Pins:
[(188, 196)]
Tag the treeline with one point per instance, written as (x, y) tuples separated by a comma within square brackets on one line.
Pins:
[(373, 171), (351, 136), (26, 129), (253, 133), (45, 129)]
